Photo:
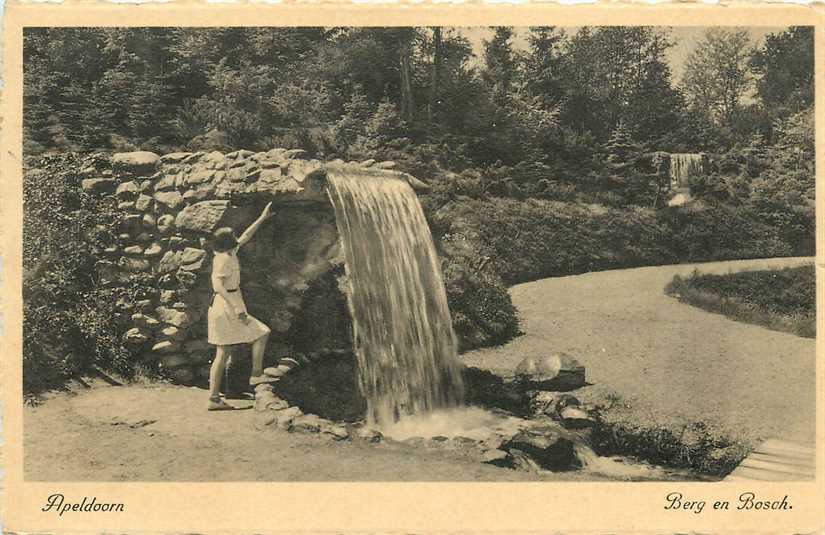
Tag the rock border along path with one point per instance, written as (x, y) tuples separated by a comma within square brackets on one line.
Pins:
[(668, 361)]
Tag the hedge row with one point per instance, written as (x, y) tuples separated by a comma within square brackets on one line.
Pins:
[(533, 239)]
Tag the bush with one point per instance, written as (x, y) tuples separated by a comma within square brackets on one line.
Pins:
[(532, 239), (483, 313), (783, 300), (69, 317)]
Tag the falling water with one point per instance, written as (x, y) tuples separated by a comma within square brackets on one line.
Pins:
[(403, 335), (684, 166)]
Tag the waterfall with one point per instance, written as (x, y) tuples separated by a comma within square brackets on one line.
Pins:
[(403, 335), (682, 167)]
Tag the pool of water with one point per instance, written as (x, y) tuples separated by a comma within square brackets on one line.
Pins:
[(483, 425)]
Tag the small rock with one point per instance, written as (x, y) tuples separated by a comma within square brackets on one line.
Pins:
[(166, 346), (166, 224), (295, 154), (550, 403), (125, 206), (145, 321), (153, 250), (172, 332), (128, 189), (288, 362), (133, 250), (177, 243), (308, 423), (191, 255), (148, 221), (575, 418), (497, 457), (98, 186), (88, 171), (144, 305), (275, 372), (557, 372), (136, 335), (170, 262), (143, 202), (174, 317), (134, 264), (264, 387), (287, 416), (145, 186), (167, 182), (370, 435), (174, 157), (338, 431), (521, 461), (186, 278), (172, 199), (199, 177), (546, 446)]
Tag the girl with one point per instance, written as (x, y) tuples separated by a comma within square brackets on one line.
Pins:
[(228, 321)]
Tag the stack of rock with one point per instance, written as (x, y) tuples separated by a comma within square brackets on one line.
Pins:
[(171, 204), (277, 412)]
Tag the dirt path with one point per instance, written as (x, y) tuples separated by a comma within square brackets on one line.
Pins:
[(668, 360), (87, 437)]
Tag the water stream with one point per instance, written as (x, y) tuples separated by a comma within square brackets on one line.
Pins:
[(682, 167), (403, 336)]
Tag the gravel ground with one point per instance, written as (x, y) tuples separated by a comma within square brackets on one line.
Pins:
[(668, 361)]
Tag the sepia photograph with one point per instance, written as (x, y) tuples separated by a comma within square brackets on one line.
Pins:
[(418, 253)]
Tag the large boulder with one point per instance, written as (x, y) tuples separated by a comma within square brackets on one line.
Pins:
[(139, 162), (203, 216), (548, 446), (556, 372)]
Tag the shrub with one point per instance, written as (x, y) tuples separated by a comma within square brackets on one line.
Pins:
[(69, 317), (783, 300), (532, 239), (483, 313)]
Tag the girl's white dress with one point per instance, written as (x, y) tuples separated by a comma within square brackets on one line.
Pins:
[(224, 326)]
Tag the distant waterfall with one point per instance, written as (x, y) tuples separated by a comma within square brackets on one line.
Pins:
[(682, 167), (403, 335)]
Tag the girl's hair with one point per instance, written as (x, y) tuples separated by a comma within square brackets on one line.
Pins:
[(224, 240)]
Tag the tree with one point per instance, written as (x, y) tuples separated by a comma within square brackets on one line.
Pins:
[(717, 75), (500, 60), (784, 71), (543, 64), (434, 78), (615, 74)]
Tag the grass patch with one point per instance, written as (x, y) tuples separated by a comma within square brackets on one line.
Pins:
[(781, 300), (696, 445)]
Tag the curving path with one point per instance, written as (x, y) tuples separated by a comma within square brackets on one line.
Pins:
[(667, 360)]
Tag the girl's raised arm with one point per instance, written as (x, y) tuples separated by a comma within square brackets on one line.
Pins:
[(249, 232)]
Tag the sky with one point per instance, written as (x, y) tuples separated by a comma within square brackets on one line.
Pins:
[(685, 39)]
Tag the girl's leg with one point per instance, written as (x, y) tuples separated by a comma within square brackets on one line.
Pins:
[(258, 348), (216, 372)]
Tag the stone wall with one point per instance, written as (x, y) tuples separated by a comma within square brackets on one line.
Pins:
[(172, 204)]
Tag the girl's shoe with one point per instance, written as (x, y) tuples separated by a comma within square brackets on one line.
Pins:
[(219, 405), (260, 379)]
